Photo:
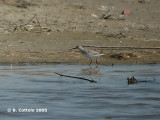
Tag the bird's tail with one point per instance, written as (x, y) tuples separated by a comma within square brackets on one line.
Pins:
[(101, 54)]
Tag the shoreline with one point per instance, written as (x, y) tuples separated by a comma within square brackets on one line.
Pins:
[(75, 57), (32, 34)]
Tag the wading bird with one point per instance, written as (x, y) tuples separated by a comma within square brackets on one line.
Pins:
[(91, 54)]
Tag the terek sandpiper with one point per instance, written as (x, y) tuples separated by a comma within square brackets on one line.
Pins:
[(91, 54)]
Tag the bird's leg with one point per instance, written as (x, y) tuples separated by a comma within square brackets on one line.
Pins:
[(90, 62), (96, 63)]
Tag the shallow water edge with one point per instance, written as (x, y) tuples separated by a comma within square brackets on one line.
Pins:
[(37, 87)]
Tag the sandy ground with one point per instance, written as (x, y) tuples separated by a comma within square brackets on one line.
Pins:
[(60, 25)]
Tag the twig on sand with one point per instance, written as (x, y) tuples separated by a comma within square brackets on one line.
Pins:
[(81, 78), (20, 26), (120, 47), (35, 16), (107, 15)]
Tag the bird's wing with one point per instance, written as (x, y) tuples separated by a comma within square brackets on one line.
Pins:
[(93, 52)]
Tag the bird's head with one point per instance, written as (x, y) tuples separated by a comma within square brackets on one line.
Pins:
[(78, 46)]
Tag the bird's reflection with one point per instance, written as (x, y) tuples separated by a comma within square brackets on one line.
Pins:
[(91, 71)]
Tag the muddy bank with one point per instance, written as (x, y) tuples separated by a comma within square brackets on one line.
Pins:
[(60, 25), (111, 57), (57, 47)]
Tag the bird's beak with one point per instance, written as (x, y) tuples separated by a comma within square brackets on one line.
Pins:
[(74, 48)]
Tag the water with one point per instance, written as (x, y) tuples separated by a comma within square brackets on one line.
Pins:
[(52, 97)]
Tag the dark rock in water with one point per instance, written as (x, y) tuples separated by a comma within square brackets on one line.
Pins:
[(132, 80)]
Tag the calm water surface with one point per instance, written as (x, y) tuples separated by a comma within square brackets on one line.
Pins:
[(52, 97)]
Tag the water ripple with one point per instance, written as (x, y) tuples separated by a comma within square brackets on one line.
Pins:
[(67, 98)]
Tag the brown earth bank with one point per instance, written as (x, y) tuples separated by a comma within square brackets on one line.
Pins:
[(47, 31)]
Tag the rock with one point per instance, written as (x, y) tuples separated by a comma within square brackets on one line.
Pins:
[(132, 80)]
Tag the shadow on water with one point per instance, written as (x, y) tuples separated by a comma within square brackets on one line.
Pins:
[(38, 87)]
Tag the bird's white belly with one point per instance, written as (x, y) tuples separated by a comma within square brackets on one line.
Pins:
[(91, 56)]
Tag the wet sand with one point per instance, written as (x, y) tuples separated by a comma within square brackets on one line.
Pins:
[(61, 25)]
